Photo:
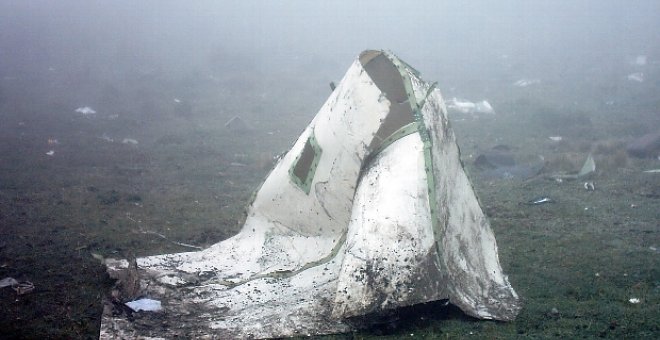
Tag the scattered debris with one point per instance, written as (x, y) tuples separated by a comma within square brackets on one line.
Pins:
[(588, 168), (555, 138), (540, 200), (53, 141), (637, 76), (470, 107), (484, 107), (113, 116), (634, 300), (147, 305), (98, 257), (23, 287), (106, 138), (526, 82), (589, 186), (19, 287), (182, 107), (237, 124), (8, 282), (86, 110), (129, 141), (652, 171), (50, 153)]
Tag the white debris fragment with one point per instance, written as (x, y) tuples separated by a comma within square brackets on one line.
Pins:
[(177, 100), (555, 138), (652, 171), (470, 107), (237, 124), (461, 106), (105, 137), (484, 107), (129, 141), (526, 82), (637, 76), (589, 186), (86, 110), (634, 300), (147, 305), (50, 153), (640, 60), (8, 282)]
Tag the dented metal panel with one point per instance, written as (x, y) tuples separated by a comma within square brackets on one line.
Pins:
[(386, 218)]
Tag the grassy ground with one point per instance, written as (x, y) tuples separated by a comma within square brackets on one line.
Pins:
[(575, 263)]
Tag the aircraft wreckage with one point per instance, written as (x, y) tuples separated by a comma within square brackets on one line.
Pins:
[(370, 210)]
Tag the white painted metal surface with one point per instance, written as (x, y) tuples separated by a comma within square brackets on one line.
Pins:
[(387, 219)]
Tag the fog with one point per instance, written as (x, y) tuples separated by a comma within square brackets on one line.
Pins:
[(115, 142), (460, 44)]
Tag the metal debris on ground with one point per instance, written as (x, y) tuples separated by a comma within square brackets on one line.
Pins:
[(19, 287), (468, 107), (85, 110), (129, 141), (8, 282), (637, 76), (540, 200), (237, 124), (526, 82), (589, 186), (146, 305)]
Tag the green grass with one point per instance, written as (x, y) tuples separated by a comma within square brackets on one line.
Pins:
[(575, 263)]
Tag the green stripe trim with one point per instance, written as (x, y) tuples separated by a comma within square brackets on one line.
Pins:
[(416, 105)]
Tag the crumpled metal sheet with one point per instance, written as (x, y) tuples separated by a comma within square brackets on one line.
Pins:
[(389, 219)]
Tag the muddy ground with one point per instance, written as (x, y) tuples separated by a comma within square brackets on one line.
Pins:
[(156, 166)]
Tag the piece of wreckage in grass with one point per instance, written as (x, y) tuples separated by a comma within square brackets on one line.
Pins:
[(369, 211)]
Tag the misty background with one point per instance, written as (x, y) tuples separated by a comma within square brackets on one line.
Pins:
[(470, 48)]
